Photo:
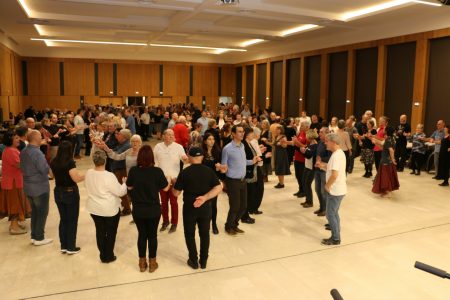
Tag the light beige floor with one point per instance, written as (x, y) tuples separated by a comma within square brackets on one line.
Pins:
[(279, 257)]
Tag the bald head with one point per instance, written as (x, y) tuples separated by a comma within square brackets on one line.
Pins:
[(34, 137)]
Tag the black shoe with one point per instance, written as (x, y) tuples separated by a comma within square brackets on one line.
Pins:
[(298, 193), (173, 228), (443, 184), (192, 264), (317, 211), (230, 231), (327, 227), (413, 172), (73, 251), (215, 230), (437, 177), (248, 220), (258, 212), (238, 230), (107, 261), (330, 242), (301, 195), (202, 263), (279, 186), (164, 226), (307, 205)]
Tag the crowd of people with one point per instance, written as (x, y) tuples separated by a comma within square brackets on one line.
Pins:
[(231, 149)]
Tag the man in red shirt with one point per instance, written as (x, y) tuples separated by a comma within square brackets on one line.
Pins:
[(299, 158), (181, 132)]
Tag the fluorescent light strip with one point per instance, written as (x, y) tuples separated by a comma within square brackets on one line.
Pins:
[(251, 42), (196, 47), (365, 11), (427, 3), (298, 29), (90, 42), (25, 7)]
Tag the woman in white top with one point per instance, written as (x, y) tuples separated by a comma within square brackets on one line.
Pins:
[(103, 203), (221, 120), (130, 155), (333, 125)]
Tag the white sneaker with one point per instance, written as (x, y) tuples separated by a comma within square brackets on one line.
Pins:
[(43, 242)]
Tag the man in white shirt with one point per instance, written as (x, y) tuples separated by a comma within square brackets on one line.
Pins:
[(145, 122), (304, 118), (79, 124), (168, 156), (335, 187)]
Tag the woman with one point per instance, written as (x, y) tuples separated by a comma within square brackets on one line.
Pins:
[(220, 120), (346, 144), (333, 125), (386, 180), (365, 141), (310, 153), (103, 203), (129, 155), (158, 116), (281, 156), (212, 159), (144, 182), (13, 203), (418, 151), (251, 176), (225, 135), (264, 139), (67, 196), (254, 203), (444, 158), (212, 129), (377, 150)]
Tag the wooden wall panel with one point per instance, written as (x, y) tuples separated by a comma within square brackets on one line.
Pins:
[(261, 83), (140, 78), (58, 102), (43, 78), (293, 88), (6, 78), (365, 80), (105, 79), (337, 92), (205, 81), (249, 80), (176, 80), (239, 85), (312, 84), (79, 78), (228, 82), (276, 80)]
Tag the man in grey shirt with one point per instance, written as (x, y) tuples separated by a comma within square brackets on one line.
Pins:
[(36, 186)]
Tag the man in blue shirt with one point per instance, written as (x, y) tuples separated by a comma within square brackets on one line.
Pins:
[(36, 186), (131, 124), (204, 121), (234, 164), (436, 138)]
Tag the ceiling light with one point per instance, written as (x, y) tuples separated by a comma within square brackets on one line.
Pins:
[(39, 29), (197, 47), (298, 29), (25, 7), (427, 3), (90, 42), (220, 51), (371, 9), (251, 42)]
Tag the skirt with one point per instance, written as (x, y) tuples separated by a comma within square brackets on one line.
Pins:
[(14, 205), (386, 179), (367, 156)]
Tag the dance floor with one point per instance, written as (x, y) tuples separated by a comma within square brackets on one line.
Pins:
[(278, 257)]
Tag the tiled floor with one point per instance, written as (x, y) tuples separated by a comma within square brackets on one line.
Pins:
[(279, 257)]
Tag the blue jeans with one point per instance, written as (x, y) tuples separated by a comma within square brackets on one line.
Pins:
[(320, 180), (333, 203), (39, 212), (79, 143), (68, 202)]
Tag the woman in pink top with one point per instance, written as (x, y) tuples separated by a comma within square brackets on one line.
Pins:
[(377, 150), (13, 203)]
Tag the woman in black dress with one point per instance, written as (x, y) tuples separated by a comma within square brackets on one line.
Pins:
[(212, 159), (264, 139), (444, 158), (281, 156)]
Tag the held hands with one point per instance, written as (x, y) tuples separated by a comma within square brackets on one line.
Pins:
[(327, 188), (124, 179), (256, 159), (199, 201), (217, 165)]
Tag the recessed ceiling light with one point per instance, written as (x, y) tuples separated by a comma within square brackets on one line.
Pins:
[(25, 7), (298, 29), (427, 3), (90, 42), (251, 42), (371, 9)]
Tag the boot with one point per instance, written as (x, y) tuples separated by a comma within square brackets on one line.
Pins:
[(142, 264), (153, 265)]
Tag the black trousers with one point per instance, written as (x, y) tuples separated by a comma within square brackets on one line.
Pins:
[(201, 217), (299, 168), (237, 198), (255, 193), (400, 156), (144, 131), (377, 157), (308, 177), (68, 203), (147, 234), (106, 231), (213, 210), (417, 160)]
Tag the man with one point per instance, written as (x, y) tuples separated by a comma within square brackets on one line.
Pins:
[(273, 118), (369, 116), (165, 121), (55, 138), (304, 118), (402, 131), (168, 155), (36, 186), (322, 158), (31, 124), (352, 132), (436, 138), (196, 207), (238, 119), (145, 124), (80, 125), (181, 132), (173, 121), (118, 167), (203, 120), (130, 122), (335, 187), (234, 164), (315, 124), (111, 141)]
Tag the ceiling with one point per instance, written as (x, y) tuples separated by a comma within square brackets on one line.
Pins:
[(203, 23)]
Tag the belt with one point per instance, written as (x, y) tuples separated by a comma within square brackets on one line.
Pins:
[(236, 179)]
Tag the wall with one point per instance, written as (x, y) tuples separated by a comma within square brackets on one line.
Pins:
[(388, 76), (10, 82)]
